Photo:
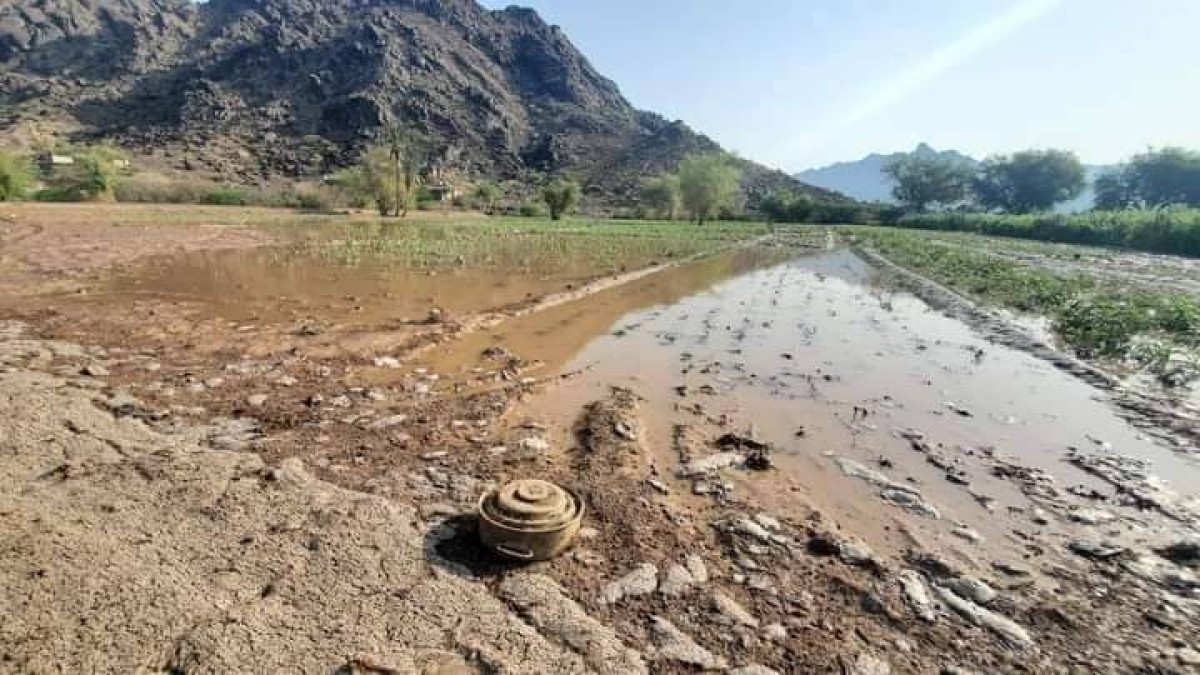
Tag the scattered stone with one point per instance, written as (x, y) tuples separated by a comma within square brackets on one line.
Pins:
[(1006, 628), (1012, 569), (676, 582), (775, 632), (1092, 516), (972, 589), (916, 595), (286, 381), (534, 445), (386, 362), (641, 581), (1187, 656), (768, 522), (1182, 552), (657, 485), (967, 534), (551, 610), (256, 400), (748, 527), (1096, 550), (696, 567), (388, 422), (731, 612), (94, 370), (431, 456), (869, 664), (708, 465), (911, 500), (674, 645)]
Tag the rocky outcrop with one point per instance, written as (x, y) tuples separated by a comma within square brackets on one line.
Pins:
[(254, 88)]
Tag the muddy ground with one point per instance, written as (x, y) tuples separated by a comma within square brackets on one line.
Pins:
[(215, 461)]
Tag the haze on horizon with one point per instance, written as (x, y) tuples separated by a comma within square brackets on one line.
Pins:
[(804, 84)]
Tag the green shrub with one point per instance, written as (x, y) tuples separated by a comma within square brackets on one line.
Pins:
[(225, 195), (1174, 230), (16, 176), (529, 210), (59, 193)]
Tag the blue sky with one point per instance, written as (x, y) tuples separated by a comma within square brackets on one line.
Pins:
[(801, 83)]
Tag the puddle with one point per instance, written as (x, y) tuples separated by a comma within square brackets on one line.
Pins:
[(797, 346), (554, 336), (281, 284)]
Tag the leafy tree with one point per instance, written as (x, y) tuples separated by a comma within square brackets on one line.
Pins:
[(379, 179), (15, 176), (352, 184), (787, 206), (560, 197), (924, 181), (408, 156), (708, 182), (661, 196), (1113, 191), (1033, 180), (1166, 176), (487, 194)]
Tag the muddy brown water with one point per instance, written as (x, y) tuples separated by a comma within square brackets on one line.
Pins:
[(271, 283), (798, 345)]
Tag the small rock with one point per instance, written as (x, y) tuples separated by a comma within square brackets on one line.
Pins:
[(696, 567), (388, 422), (386, 362), (642, 580), (916, 595), (1187, 656), (768, 522), (673, 644), (94, 370), (286, 381), (972, 589), (869, 664), (1092, 516), (657, 485), (775, 632), (967, 534), (676, 582), (1182, 552), (732, 612), (430, 456), (534, 445), (256, 400)]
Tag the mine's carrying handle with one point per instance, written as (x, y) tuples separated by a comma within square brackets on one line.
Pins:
[(523, 554)]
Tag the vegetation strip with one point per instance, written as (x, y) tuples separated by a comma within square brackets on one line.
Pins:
[(1119, 324)]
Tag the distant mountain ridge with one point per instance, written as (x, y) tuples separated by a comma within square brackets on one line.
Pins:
[(865, 180)]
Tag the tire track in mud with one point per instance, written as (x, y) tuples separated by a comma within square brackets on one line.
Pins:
[(1177, 428)]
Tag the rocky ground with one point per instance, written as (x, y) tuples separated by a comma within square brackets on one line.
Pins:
[(196, 496)]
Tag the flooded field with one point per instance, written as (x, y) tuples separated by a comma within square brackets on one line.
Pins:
[(825, 471)]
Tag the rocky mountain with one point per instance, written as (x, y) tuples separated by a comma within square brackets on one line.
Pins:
[(864, 179), (250, 89)]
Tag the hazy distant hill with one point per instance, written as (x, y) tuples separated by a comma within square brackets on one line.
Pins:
[(865, 180)]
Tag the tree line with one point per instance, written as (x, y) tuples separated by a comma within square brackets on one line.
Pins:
[(1036, 180)]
